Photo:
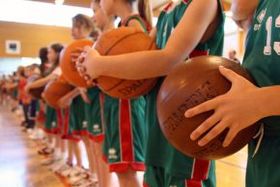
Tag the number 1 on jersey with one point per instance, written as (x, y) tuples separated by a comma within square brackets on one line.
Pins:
[(276, 45), (268, 27)]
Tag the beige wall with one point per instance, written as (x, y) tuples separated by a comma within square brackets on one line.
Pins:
[(32, 37)]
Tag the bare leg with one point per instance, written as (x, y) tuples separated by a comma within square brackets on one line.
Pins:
[(70, 152), (90, 154), (104, 176), (77, 153), (128, 178)]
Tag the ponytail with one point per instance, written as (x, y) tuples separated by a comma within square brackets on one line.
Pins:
[(145, 11)]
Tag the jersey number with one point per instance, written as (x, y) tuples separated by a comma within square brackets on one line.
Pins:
[(276, 45)]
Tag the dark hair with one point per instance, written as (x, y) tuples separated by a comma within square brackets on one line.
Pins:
[(21, 71), (43, 55), (145, 11), (57, 47), (94, 35), (83, 20)]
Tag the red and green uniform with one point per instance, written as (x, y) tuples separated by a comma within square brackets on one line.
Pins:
[(262, 60), (78, 123), (166, 166), (94, 114), (125, 128), (51, 125)]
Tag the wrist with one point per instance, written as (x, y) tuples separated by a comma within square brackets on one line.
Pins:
[(96, 68)]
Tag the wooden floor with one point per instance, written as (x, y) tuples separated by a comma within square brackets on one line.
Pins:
[(20, 163)]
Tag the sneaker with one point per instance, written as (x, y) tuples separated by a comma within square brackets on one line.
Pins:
[(56, 165), (43, 142), (79, 181), (33, 135), (76, 171), (48, 161), (63, 168), (82, 182), (46, 151), (82, 175), (40, 134), (86, 183), (36, 135), (67, 172), (90, 184)]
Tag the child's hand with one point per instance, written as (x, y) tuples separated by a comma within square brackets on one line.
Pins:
[(235, 110), (86, 64), (64, 103), (83, 93)]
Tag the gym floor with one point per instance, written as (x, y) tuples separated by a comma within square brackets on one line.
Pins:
[(20, 163)]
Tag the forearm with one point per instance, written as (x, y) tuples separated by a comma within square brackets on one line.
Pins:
[(140, 65), (71, 95), (41, 82), (155, 63), (269, 100), (243, 9)]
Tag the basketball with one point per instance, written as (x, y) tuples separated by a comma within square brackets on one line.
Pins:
[(68, 67), (55, 90), (36, 93), (189, 84), (120, 41)]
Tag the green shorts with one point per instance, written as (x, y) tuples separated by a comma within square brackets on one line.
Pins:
[(159, 177), (78, 123), (125, 134), (263, 170), (94, 114), (66, 128), (51, 121)]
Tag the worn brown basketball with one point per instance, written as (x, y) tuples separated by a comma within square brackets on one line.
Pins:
[(36, 93), (121, 41), (55, 90), (68, 67), (189, 84)]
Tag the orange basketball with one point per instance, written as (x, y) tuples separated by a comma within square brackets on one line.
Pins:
[(36, 92), (189, 84), (120, 41), (55, 90), (68, 67)]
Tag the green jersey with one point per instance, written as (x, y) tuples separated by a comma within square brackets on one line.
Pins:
[(263, 50), (261, 58), (159, 152)]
